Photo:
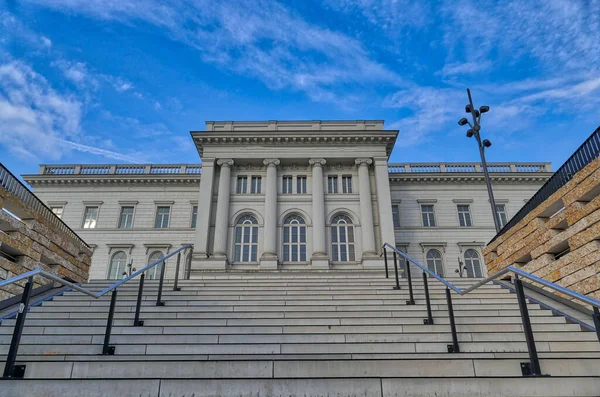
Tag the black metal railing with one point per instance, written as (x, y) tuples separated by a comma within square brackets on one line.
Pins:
[(531, 368), (15, 187), (587, 152), (17, 371)]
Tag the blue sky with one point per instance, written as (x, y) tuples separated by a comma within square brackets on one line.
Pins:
[(105, 81)]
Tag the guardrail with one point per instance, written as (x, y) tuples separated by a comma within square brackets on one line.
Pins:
[(18, 371), (585, 154), (121, 169), (15, 187), (405, 168), (532, 368)]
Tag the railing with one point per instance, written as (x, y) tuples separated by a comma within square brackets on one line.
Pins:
[(18, 371), (14, 186), (532, 368), (585, 154), (405, 168), (121, 169)]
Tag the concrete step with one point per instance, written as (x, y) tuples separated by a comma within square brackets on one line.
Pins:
[(366, 387)]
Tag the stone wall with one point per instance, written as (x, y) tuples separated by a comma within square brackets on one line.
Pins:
[(560, 239), (29, 241)]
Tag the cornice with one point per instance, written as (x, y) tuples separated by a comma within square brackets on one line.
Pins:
[(41, 180), (469, 178)]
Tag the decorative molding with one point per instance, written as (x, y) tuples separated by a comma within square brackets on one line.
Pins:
[(166, 247), (56, 203), (361, 161), (128, 202), (112, 247), (426, 201), (175, 179), (164, 202), (429, 245), (462, 201), (225, 162), (93, 203), (462, 245), (248, 167), (317, 162), (502, 201), (452, 178), (271, 162)]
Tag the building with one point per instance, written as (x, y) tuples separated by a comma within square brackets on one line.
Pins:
[(286, 195)]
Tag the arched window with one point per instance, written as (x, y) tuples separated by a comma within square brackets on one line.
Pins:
[(342, 239), (294, 239), (154, 273), (434, 262), (118, 262), (246, 239), (472, 263)]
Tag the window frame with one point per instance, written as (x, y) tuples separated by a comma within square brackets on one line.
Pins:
[(297, 222), (463, 216), (255, 184), (194, 217), (396, 215), (429, 219), (241, 186), (347, 184), (238, 256), (110, 265), (55, 207), (85, 211), (441, 260), (121, 216), (342, 247), (287, 184), (301, 184), (504, 212), (332, 184), (155, 275), (473, 267), (158, 207)]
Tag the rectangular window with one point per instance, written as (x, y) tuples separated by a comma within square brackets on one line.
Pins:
[(194, 216), (242, 184), (346, 184), (162, 217), (428, 215), (464, 215), (126, 218), (255, 184), (301, 184), (90, 217), (396, 215), (58, 211), (332, 184), (286, 188), (501, 213)]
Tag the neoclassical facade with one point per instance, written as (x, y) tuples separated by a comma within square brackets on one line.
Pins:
[(286, 195)]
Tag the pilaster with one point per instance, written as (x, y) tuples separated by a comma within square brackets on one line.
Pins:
[(268, 259), (319, 259)]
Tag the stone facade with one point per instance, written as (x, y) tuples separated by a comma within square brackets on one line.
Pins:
[(560, 239), (32, 237), (296, 164)]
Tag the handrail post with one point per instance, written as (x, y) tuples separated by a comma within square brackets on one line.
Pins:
[(532, 368), (397, 287), (175, 287), (387, 275), (411, 301), (136, 321), (429, 319), (108, 350), (597, 321), (10, 369), (159, 302), (188, 264), (453, 348)]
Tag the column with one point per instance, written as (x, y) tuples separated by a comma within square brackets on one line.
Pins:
[(319, 257), (268, 259), (204, 209), (386, 222), (222, 218), (366, 206)]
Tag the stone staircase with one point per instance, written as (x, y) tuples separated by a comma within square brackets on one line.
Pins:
[(289, 334)]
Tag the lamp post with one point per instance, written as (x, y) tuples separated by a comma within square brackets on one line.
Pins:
[(474, 131)]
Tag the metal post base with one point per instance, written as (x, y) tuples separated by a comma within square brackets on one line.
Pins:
[(427, 321), (16, 372), (138, 323), (177, 289), (453, 349), (526, 370), (396, 288), (161, 303), (108, 351), (410, 302)]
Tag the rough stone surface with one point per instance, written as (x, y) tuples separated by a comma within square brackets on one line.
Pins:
[(574, 230), (35, 242)]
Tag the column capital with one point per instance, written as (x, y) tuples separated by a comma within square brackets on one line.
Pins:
[(271, 162), (317, 162), (225, 162), (365, 160)]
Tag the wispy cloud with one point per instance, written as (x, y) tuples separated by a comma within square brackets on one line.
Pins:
[(257, 38), (38, 122)]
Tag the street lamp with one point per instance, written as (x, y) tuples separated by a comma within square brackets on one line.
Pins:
[(474, 131)]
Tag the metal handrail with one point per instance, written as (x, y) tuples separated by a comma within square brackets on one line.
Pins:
[(39, 272), (549, 284)]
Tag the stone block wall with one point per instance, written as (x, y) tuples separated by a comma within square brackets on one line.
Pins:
[(29, 241), (560, 239)]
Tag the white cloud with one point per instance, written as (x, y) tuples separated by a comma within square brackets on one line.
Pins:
[(458, 68), (257, 38), (46, 41), (38, 122)]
